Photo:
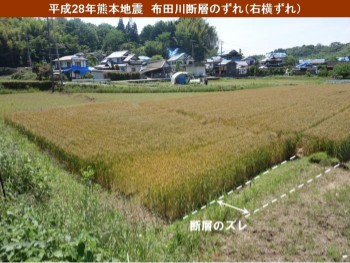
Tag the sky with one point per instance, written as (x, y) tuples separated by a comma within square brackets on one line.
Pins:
[(255, 36)]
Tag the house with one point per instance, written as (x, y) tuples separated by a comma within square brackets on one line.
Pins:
[(74, 66), (273, 60), (197, 69), (156, 69), (250, 61), (178, 62), (313, 62), (305, 67), (212, 64), (123, 61), (347, 59), (242, 68), (232, 55), (226, 68), (331, 64)]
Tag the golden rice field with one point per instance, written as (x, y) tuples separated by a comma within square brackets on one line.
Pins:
[(175, 155)]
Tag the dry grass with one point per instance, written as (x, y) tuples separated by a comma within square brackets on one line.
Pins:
[(175, 155)]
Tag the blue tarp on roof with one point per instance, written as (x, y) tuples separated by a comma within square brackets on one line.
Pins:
[(82, 71)]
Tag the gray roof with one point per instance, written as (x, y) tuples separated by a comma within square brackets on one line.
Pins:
[(154, 66), (118, 54), (69, 58)]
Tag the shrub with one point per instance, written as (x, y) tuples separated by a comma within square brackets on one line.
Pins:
[(22, 174), (323, 158), (24, 85), (43, 71), (23, 75), (7, 71), (342, 70), (122, 76)]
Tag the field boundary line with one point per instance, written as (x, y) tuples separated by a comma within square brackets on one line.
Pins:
[(243, 185), (294, 189)]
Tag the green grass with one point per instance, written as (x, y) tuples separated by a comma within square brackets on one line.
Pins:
[(224, 84)]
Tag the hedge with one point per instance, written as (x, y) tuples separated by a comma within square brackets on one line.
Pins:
[(23, 85), (122, 75)]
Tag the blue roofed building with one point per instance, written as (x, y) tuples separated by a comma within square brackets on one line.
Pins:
[(74, 66)]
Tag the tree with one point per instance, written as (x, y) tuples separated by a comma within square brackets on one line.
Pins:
[(196, 34), (113, 41), (131, 33), (156, 57), (153, 48), (92, 60), (120, 25), (290, 61), (342, 70), (103, 30)]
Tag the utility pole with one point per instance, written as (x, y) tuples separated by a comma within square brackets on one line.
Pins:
[(192, 42), (221, 43), (57, 54), (29, 58), (50, 55)]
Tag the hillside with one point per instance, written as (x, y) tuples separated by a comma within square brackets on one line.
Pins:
[(335, 49)]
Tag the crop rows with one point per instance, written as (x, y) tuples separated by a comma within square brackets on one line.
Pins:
[(174, 155)]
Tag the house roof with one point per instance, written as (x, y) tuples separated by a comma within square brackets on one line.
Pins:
[(130, 57), (242, 64), (225, 62), (276, 55), (313, 61), (177, 57), (69, 58), (154, 66), (118, 54)]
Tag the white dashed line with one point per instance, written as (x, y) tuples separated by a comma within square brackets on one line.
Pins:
[(300, 186), (328, 170), (274, 200), (248, 182), (256, 210), (265, 205), (318, 176), (194, 212), (230, 192), (336, 166), (283, 196), (273, 168), (221, 197), (185, 217), (256, 177), (266, 172), (283, 162), (292, 158), (309, 181), (203, 207), (246, 216), (292, 190), (239, 187), (212, 202)]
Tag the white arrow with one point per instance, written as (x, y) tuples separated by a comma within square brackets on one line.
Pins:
[(244, 211)]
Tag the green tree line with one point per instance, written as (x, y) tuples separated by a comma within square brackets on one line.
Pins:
[(74, 35), (335, 49)]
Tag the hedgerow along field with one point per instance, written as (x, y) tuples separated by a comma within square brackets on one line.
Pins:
[(173, 156)]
